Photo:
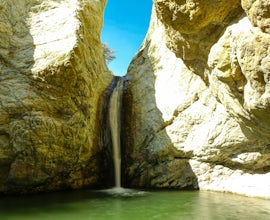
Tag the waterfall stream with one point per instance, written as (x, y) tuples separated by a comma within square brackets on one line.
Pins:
[(115, 127)]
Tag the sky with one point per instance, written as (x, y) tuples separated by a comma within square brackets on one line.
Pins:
[(125, 25)]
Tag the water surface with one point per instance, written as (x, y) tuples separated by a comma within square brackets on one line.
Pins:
[(134, 205)]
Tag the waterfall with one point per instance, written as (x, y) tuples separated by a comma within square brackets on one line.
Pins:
[(115, 127)]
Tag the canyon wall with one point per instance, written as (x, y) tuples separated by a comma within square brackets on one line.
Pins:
[(52, 75), (197, 99)]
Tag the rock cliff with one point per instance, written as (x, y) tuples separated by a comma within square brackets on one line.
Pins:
[(197, 101), (52, 74)]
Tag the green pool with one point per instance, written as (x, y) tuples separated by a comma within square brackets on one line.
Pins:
[(137, 205)]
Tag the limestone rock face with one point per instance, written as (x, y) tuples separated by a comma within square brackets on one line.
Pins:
[(240, 68), (52, 73), (197, 100), (258, 11), (192, 27)]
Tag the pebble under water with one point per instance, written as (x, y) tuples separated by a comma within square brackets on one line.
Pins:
[(127, 204)]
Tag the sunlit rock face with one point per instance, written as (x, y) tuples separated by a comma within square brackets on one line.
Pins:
[(258, 12), (192, 27), (52, 73), (197, 100)]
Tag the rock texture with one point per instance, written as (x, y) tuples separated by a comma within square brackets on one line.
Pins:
[(197, 99), (52, 73)]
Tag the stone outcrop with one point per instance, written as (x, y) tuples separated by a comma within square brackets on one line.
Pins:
[(197, 99), (52, 73), (258, 13)]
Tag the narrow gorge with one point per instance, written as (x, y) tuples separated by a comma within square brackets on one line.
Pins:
[(195, 100)]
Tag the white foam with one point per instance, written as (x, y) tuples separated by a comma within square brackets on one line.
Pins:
[(123, 192)]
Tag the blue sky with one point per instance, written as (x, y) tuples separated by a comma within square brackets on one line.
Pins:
[(125, 25)]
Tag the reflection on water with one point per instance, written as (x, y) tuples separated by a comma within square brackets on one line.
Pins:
[(133, 205)]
